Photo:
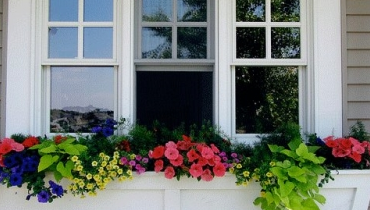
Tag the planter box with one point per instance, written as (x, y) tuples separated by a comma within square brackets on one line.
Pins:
[(152, 191)]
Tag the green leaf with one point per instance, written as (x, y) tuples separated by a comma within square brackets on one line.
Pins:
[(275, 148), (279, 172), (70, 149), (67, 141), (289, 153), (302, 150), (309, 204), (285, 188), (65, 172), (294, 144), (269, 198), (45, 162), (58, 176), (320, 198), (285, 164), (81, 148), (47, 150), (295, 171)]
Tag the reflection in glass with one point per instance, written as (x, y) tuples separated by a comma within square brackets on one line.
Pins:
[(192, 11), (250, 11), (81, 97), (157, 11), (156, 42), (62, 42), (98, 10), (285, 11), (63, 10), (98, 42), (285, 43), (250, 43), (192, 42), (266, 98)]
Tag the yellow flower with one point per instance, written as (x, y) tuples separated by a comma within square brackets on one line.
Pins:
[(79, 168), (113, 174), (231, 170), (256, 170), (102, 173), (245, 183), (97, 177), (132, 156), (89, 176), (109, 167), (94, 163), (106, 180), (269, 174), (74, 187), (106, 158), (246, 173), (74, 158), (104, 163), (120, 171), (101, 169), (81, 184), (129, 172), (239, 165), (113, 162), (89, 186), (92, 193), (116, 153), (122, 178), (101, 155), (272, 163), (263, 194)]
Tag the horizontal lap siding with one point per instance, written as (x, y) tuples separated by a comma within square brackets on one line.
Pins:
[(357, 63), (1, 56)]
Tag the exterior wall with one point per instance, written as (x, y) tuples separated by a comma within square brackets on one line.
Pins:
[(356, 59), (24, 76), (1, 63)]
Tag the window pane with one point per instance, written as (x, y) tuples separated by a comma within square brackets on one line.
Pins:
[(285, 43), (285, 11), (63, 10), (250, 11), (98, 10), (266, 97), (192, 11), (192, 42), (98, 42), (81, 98), (62, 42), (250, 43), (157, 11), (156, 42), (173, 98)]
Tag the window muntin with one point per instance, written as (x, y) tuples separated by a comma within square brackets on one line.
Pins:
[(80, 66), (268, 58), (173, 29)]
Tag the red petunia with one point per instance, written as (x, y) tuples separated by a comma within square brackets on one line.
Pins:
[(59, 139), (340, 152), (202, 161), (345, 143), (178, 161), (192, 155), (196, 170), (215, 149), (219, 169), (158, 152), (207, 153), (158, 165), (30, 141), (355, 156), (330, 142), (207, 175), (169, 172)]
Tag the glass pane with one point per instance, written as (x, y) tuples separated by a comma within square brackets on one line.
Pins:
[(192, 11), (285, 11), (98, 10), (173, 98), (250, 11), (62, 42), (81, 98), (63, 10), (157, 11), (156, 42), (98, 42), (250, 43), (192, 42), (286, 43), (266, 98)]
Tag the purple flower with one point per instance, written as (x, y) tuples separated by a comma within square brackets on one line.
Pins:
[(16, 180), (222, 154), (234, 155), (225, 159), (56, 189), (124, 161), (138, 157), (145, 160), (43, 196), (132, 163), (96, 129), (107, 132), (110, 122)]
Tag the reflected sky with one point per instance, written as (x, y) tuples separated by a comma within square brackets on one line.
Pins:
[(82, 86)]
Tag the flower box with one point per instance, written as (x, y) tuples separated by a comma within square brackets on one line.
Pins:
[(349, 191)]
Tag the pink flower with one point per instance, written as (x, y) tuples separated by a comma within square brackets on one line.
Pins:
[(330, 142), (219, 169), (207, 175), (196, 170), (207, 153), (169, 172), (124, 161), (215, 149), (8, 145), (355, 156), (171, 153), (178, 161), (192, 155), (171, 144), (340, 152), (202, 161), (158, 165), (345, 143), (358, 149)]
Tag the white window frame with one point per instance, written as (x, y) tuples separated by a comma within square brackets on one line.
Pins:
[(305, 74), (47, 63)]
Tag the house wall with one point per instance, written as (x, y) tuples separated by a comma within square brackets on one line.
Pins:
[(356, 59), (1, 63)]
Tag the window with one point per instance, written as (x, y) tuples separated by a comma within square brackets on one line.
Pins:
[(174, 61), (80, 67), (270, 58)]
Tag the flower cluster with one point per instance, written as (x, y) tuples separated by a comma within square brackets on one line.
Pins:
[(188, 158), (347, 147), (106, 129), (91, 176), (134, 162), (18, 165)]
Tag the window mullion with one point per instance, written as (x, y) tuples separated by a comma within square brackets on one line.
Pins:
[(174, 30), (80, 29), (268, 29)]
